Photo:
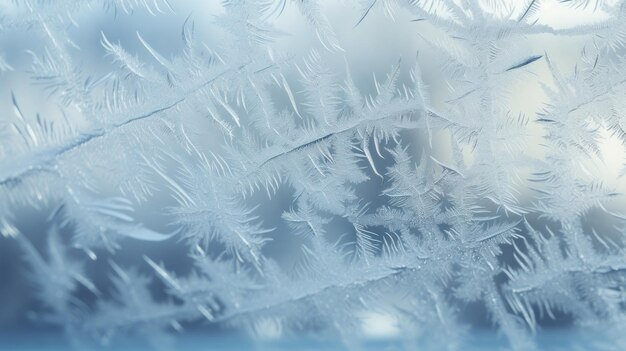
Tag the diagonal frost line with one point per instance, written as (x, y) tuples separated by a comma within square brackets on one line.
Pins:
[(392, 272), (150, 114), (190, 309), (299, 147), (343, 129), (43, 161)]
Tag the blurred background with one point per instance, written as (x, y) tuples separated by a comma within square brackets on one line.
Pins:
[(371, 48)]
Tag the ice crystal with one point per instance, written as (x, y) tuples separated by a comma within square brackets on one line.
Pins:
[(309, 199)]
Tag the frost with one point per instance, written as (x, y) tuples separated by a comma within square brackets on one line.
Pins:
[(4, 66), (308, 201)]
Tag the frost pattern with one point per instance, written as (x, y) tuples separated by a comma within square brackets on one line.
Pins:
[(435, 200)]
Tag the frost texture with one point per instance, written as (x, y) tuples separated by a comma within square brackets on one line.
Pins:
[(408, 200)]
